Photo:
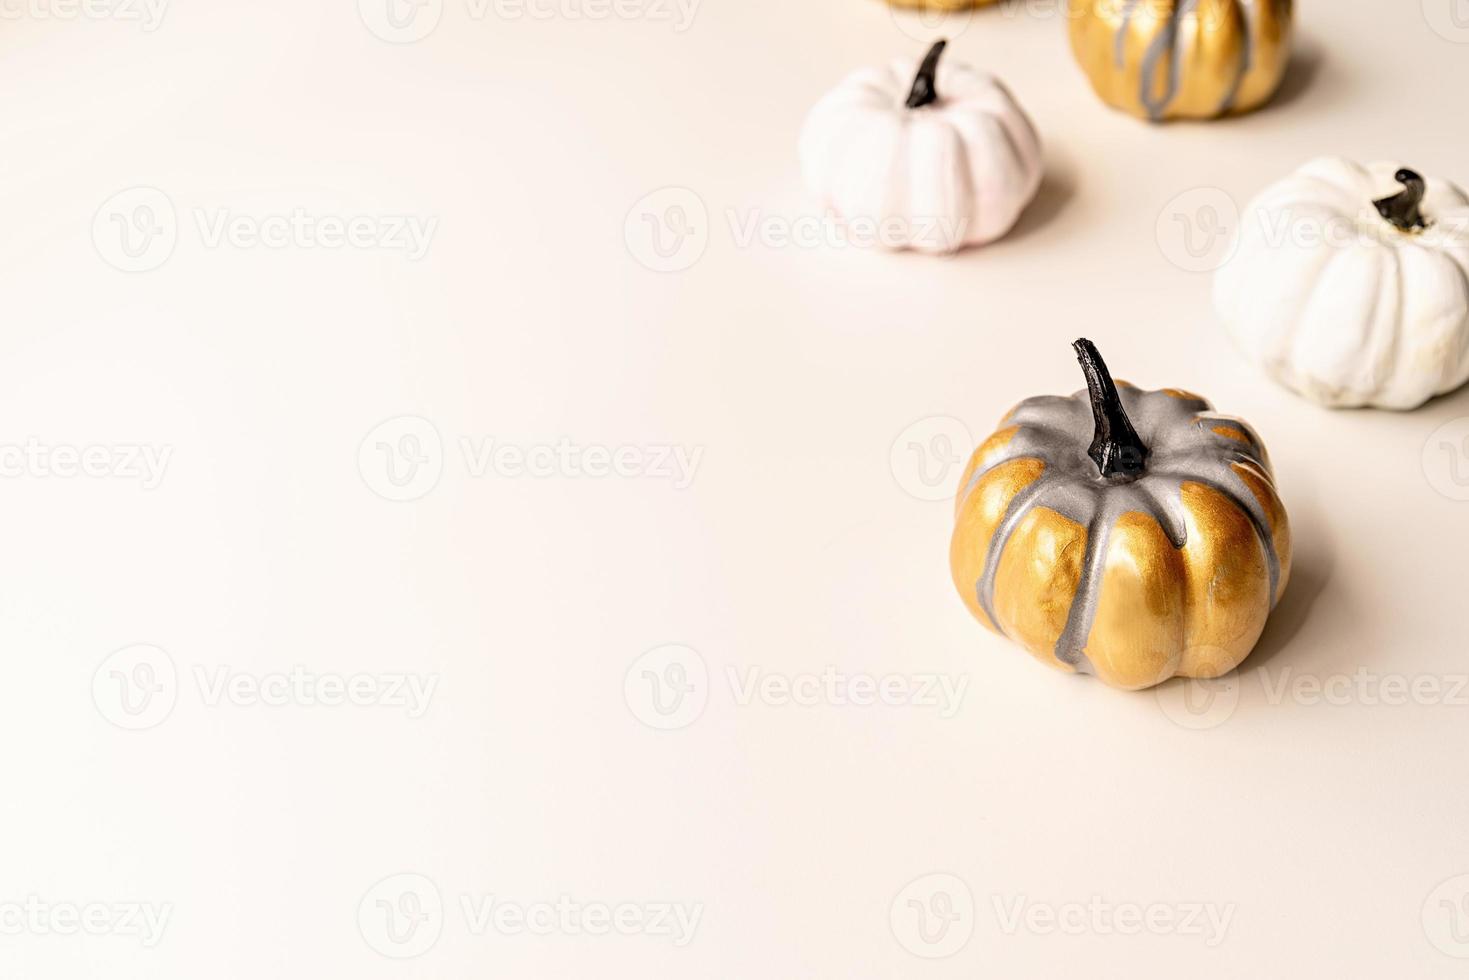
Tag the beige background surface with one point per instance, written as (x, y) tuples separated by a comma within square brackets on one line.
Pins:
[(825, 391)]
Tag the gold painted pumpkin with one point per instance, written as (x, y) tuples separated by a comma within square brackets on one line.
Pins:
[(1135, 554), (1182, 59)]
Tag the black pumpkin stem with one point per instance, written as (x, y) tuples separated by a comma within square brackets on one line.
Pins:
[(923, 92), (1116, 448), (1402, 209)]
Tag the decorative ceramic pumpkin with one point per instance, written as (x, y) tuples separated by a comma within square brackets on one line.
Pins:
[(1350, 284), (1134, 535), (1182, 59), (937, 157)]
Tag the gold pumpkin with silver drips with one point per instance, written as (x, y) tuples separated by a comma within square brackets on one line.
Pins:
[(1132, 554), (1182, 59)]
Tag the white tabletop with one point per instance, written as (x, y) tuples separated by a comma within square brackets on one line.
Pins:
[(365, 270)]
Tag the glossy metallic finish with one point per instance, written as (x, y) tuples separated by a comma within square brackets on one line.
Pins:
[(1137, 580), (1182, 59)]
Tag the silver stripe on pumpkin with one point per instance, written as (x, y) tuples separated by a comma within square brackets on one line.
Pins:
[(1183, 449), (1165, 43)]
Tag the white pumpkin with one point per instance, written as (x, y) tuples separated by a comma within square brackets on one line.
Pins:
[(1350, 284), (935, 156)]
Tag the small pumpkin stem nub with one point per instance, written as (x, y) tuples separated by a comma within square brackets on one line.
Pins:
[(923, 92), (1116, 448), (1402, 209)]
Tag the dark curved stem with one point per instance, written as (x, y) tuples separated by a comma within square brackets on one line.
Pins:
[(1115, 448), (1402, 209), (923, 92)]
